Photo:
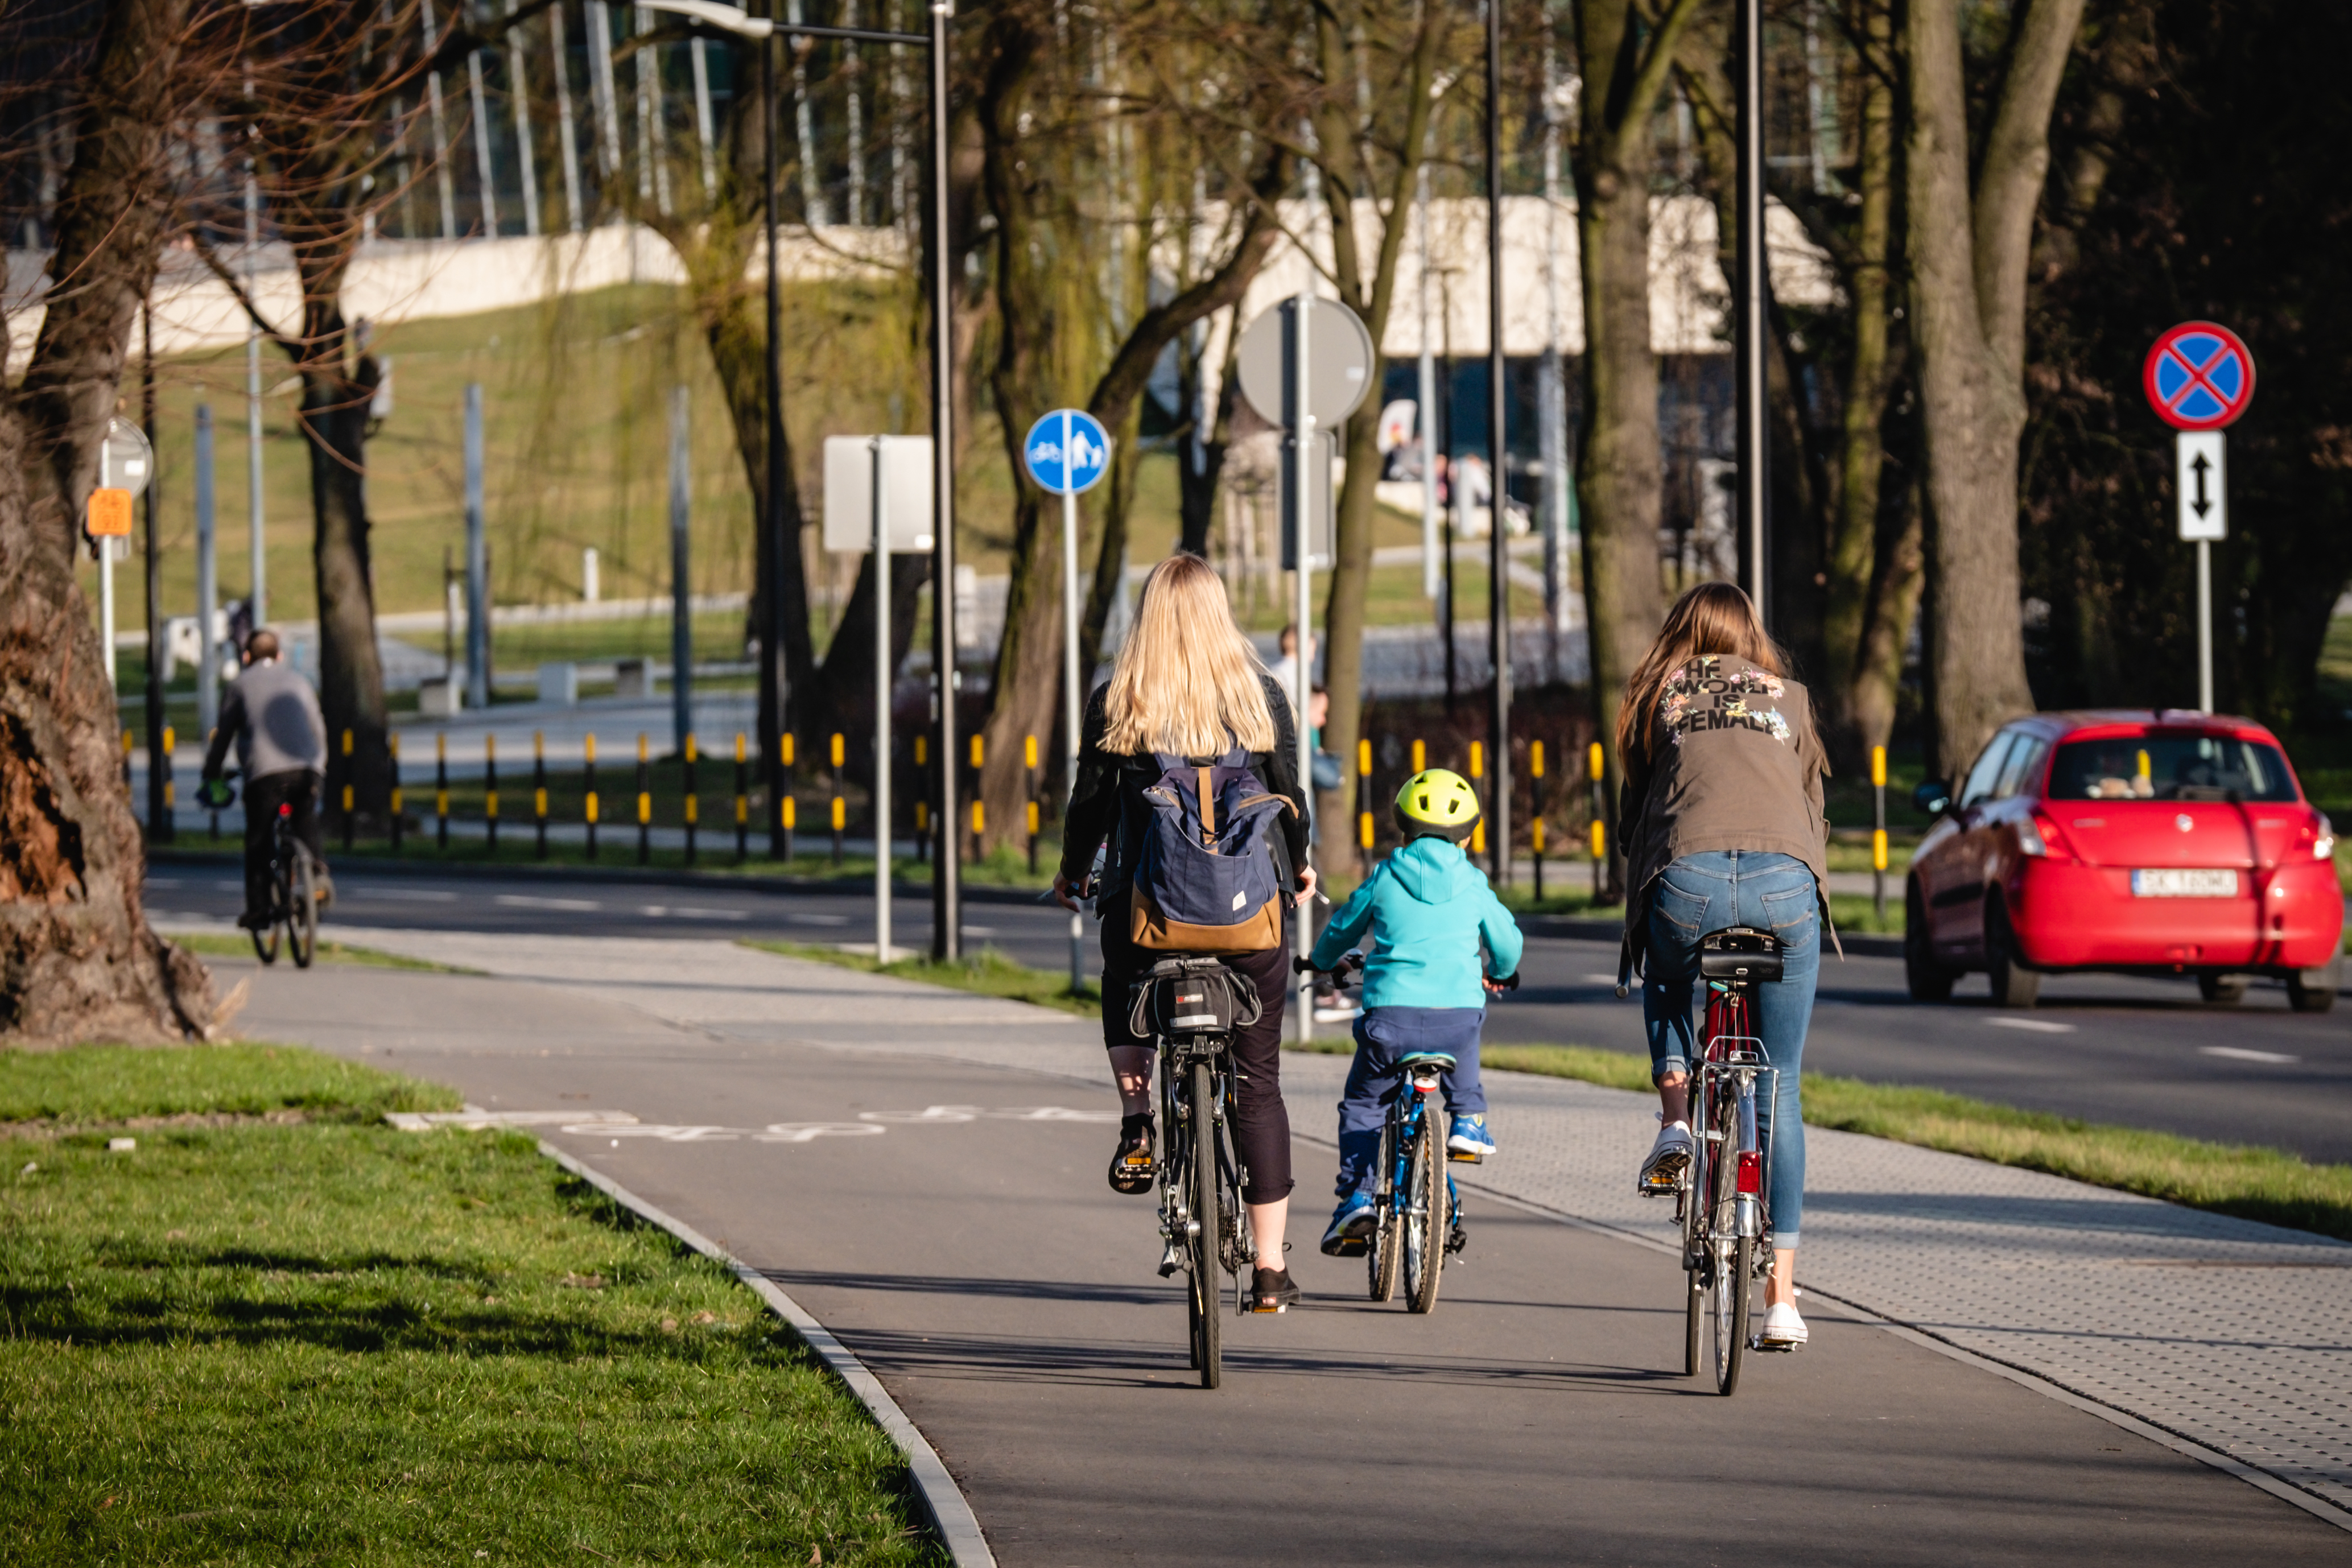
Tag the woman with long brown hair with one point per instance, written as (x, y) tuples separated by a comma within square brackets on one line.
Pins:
[(1188, 684), (1721, 817)]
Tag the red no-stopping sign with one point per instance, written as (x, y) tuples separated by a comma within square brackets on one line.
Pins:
[(2199, 376)]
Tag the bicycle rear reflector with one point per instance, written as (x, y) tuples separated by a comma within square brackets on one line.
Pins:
[(1751, 1171)]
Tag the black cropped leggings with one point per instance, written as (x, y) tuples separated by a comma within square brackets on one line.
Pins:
[(1261, 1121)]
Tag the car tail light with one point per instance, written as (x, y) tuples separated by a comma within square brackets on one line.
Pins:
[(1751, 1170), (2323, 843), (2037, 834)]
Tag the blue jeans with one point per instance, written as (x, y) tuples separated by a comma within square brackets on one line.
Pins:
[(1385, 1035), (1706, 892)]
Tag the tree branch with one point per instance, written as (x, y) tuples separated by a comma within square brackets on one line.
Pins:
[(220, 269), (2016, 161)]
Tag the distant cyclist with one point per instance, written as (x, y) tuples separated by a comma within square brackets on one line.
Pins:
[(1188, 684), (272, 715), (1440, 941), (1721, 817)]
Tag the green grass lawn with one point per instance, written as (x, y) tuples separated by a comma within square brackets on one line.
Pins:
[(334, 1342)]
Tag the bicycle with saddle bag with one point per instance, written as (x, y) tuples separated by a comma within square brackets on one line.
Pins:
[(1194, 1006)]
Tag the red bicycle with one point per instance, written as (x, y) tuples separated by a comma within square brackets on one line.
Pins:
[(1720, 1199)]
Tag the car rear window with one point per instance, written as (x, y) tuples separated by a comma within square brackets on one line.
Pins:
[(2170, 767)]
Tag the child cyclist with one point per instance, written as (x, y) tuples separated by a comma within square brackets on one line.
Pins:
[(1427, 912)]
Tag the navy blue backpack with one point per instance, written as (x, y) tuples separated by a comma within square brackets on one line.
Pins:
[(1208, 877)]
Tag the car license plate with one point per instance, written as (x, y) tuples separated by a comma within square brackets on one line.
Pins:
[(2184, 884)]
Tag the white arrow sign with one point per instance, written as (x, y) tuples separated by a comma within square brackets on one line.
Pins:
[(2203, 485)]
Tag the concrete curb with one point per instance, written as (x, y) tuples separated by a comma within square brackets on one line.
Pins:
[(952, 1517), (476, 870)]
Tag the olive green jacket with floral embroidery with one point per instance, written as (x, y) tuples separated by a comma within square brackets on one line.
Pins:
[(1733, 763)]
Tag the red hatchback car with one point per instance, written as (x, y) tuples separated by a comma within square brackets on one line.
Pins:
[(2163, 842)]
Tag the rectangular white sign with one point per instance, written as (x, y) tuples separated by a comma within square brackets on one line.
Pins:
[(2200, 481), (849, 493)]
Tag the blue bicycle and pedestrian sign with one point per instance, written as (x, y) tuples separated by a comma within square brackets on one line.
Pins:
[(1067, 451)]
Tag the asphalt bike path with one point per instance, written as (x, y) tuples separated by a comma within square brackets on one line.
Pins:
[(948, 1218), (2139, 1052)]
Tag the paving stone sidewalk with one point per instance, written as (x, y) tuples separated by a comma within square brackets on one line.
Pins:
[(2224, 1332)]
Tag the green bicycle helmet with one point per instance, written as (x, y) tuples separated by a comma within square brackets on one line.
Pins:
[(1437, 802)]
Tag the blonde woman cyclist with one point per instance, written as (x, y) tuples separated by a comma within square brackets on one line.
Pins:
[(1188, 683), (1722, 823)]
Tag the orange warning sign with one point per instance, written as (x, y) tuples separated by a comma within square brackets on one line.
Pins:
[(110, 514)]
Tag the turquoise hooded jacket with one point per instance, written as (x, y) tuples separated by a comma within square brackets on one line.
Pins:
[(1426, 910)]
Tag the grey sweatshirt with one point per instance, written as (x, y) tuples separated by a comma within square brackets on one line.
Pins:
[(273, 716)]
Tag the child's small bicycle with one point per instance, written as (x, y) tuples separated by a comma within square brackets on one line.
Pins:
[(1418, 1209)]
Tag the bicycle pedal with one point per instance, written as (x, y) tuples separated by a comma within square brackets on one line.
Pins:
[(1169, 1262), (1268, 1311), (1350, 1246), (1459, 1158)]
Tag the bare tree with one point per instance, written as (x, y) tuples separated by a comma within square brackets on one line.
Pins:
[(1627, 58), (77, 959), (1969, 216)]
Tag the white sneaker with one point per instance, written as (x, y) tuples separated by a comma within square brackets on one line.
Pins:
[(1670, 1157), (1783, 1330)]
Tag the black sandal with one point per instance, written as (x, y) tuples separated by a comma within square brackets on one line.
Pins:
[(1132, 1169), (1272, 1290)]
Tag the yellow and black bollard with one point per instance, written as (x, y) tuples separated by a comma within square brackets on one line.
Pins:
[(538, 787), (693, 805), (1421, 757), (490, 792), (1029, 762), (208, 746), (441, 790), (1878, 832), (1364, 796), (1536, 809), (922, 798), (787, 808), (1478, 828), (399, 796), (645, 804), (350, 817), (840, 810), (1596, 766), (979, 812), (588, 795)]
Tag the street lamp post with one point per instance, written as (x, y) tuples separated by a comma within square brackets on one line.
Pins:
[(946, 900), (1498, 556)]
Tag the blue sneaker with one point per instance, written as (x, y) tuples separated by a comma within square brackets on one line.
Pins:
[(1469, 1139), (1351, 1223)]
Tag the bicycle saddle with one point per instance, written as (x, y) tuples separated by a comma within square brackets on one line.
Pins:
[(1441, 1060), (1739, 953)]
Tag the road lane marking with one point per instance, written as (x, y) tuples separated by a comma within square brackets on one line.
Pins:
[(2031, 1026), (805, 920), (2239, 1053), (412, 895), (688, 912), (524, 901)]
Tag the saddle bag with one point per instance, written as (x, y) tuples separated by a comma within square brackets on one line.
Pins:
[(1179, 997)]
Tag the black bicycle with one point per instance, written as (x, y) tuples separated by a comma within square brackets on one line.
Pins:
[(1194, 1006), (294, 888)]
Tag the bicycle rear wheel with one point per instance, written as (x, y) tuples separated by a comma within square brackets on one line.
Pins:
[(264, 941), (1381, 1258), (1208, 1225), (1694, 1296), (1428, 1217), (302, 911)]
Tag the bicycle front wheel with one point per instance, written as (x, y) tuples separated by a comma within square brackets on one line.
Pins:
[(1208, 1225), (302, 911), (264, 942), (1428, 1215), (1381, 1258)]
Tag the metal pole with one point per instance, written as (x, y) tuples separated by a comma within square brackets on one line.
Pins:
[(773, 718), (521, 90), (2204, 625), (481, 128), (947, 924), (258, 567), (440, 131), (105, 580), (477, 559), (1426, 391), (1303, 670), (681, 575), (159, 809), (207, 581), (1750, 301), (566, 134), (1878, 832), (1074, 693), (882, 684), (1498, 534)]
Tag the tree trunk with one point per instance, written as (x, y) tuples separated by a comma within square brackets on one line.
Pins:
[(1969, 246), (78, 960), (351, 665)]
